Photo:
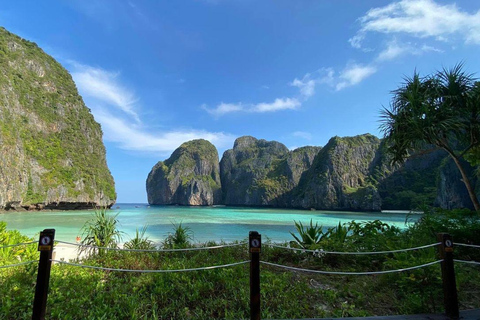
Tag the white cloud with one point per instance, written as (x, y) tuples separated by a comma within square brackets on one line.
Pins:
[(224, 108), (392, 51), (306, 86), (114, 107), (354, 74), (131, 138), (303, 135), (277, 105), (104, 86), (421, 19)]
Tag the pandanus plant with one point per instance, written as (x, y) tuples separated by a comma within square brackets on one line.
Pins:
[(309, 234)]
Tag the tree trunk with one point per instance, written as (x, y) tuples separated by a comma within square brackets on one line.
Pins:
[(467, 183)]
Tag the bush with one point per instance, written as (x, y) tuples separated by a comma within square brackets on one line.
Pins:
[(101, 231)]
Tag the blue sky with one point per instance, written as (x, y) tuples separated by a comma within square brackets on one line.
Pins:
[(158, 73)]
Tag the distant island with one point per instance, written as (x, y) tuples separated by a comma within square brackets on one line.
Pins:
[(348, 173)]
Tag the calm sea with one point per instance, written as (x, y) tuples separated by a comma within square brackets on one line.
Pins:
[(207, 223)]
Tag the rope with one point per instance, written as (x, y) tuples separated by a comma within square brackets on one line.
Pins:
[(469, 262), (18, 244), (17, 264), (355, 253), (350, 273), (155, 250), (151, 271), (467, 245)]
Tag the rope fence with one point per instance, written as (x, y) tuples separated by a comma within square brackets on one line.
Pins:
[(350, 273), (46, 246), (154, 250), (152, 271), (353, 253), (469, 262), (467, 245), (17, 264), (18, 244)]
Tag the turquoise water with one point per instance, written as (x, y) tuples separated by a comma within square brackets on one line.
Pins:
[(207, 223)]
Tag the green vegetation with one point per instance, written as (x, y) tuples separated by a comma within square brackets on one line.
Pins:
[(180, 238), (77, 293), (140, 242), (101, 231), (10, 255), (309, 235), (442, 110), (43, 117)]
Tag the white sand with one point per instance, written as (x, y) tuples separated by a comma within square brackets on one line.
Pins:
[(66, 252)]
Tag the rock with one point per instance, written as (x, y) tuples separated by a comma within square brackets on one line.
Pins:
[(338, 178), (245, 171), (191, 176), (51, 149), (452, 192), (349, 173)]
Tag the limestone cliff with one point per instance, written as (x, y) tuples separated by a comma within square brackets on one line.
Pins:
[(246, 172), (349, 173), (339, 176), (191, 176), (51, 150)]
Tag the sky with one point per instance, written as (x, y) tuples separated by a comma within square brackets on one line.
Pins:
[(156, 74)]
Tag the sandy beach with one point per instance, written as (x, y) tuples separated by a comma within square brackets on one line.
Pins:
[(66, 252)]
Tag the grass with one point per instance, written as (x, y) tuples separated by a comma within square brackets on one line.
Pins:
[(77, 293)]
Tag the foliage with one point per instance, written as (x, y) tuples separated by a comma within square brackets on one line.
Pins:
[(140, 242), (442, 110), (308, 235), (101, 231), (180, 238), (43, 117), (77, 293), (10, 255)]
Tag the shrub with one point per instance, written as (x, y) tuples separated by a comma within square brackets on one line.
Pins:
[(180, 238), (101, 231)]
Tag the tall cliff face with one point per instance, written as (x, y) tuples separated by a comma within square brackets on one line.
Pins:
[(245, 171), (51, 149), (339, 176), (451, 192), (349, 173), (191, 176)]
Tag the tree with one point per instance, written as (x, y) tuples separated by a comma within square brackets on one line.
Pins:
[(441, 110)]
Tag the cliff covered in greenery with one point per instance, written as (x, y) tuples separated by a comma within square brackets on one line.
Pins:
[(348, 173), (51, 149), (191, 176), (340, 176)]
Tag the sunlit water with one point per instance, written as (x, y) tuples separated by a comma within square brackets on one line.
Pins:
[(206, 223)]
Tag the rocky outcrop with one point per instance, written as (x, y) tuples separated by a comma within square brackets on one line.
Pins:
[(244, 169), (339, 176), (258, 172), (51, 149), (452, 192), (191, 176), (349, 173)]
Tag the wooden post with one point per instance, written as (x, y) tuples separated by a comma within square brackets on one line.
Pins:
[(45, 246), (255, 246), (450, 298)]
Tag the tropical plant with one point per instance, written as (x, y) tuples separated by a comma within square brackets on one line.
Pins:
[(101, 231), (441, 110), (10, 253), (180, 238), (309, 235), (140, 242)]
